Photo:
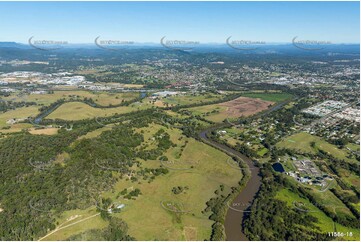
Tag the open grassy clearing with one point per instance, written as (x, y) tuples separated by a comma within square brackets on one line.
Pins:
[(155, 207), (95, 133), (231, 140), (133, 86), (179, 117), (79, 110), (273, 97), (302, 141), (331, 202), (232, 135), (76, 221), (324, 222), (262, 152), (209, 171), (174, 114), (44, 131), (326, 198), (212, 112), (233, 131), (351, 179), (353, 147), (15, 128), (101, 98), (106, 99), (19, 113), (62, 158)]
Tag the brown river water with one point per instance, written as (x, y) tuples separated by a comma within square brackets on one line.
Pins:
[(240, 205)]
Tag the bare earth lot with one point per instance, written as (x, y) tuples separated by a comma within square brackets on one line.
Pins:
[(242, 106), (245, 106)]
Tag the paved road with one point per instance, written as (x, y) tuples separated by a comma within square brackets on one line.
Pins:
[(239, 206)]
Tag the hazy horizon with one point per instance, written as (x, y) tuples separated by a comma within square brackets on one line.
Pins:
[(206, 22)]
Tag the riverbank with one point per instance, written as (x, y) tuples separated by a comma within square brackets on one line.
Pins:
[(238, 208)]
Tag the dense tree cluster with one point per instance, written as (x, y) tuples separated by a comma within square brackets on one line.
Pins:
[(272, 219), (10, 105), (37, 186)]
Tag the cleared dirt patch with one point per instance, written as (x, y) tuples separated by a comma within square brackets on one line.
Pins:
[(159, 103), (133, 86), (242, 106), (245, 106), (46, 131)]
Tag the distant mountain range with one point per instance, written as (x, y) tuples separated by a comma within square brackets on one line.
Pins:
[(13, 45), (269, 48)]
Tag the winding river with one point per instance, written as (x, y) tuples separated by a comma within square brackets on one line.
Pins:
[(240, 205)]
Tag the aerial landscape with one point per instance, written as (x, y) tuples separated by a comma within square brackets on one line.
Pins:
[(180, 121)]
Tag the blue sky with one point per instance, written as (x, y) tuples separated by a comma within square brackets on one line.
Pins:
[(82, 22)]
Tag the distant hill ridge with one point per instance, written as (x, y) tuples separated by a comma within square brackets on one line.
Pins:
[(12, 45)]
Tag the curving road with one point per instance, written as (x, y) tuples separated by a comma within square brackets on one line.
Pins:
[(240, 205)]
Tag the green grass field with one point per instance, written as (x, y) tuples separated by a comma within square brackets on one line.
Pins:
[(208, 173), (262, 152), (19, 113), (324, 222), (331, 202), (74, 222), (302, 141), (95, 133), (101, 98), (149, 216), (273, 97), (351, 178), (216, 112), (79, 110), (68, 111), (353, 147)]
